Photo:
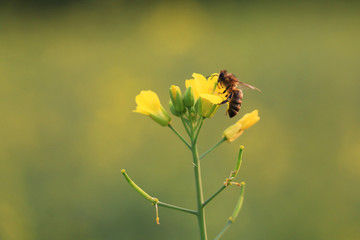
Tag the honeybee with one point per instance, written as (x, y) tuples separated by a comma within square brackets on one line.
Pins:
[(234, 95)]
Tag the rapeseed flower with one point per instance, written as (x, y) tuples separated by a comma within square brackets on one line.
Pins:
[(234, 131), (208, 94), (148, 103)]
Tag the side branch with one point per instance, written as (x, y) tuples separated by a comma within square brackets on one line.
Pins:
[(213, 147), (177, 208), (214, 195), (181, 137)]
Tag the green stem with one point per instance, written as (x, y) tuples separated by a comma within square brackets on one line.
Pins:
[(177, 208), (185, 125), (199, 192), (213, 147), (198, 122), (178, 134), (198, 185), (214, 195), (198, 127)]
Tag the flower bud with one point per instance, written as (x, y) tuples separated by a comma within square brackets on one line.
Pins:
[(234, 131), (172, 109), (193, 112), (176, 98), (189, 98), (148, 103), (207, 104)]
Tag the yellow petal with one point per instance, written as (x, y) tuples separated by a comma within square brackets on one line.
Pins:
[(199, 84), (214, 99), (234, 131), (207, 105), (200, 80), (212, 80), (249, 119), (191, 82), (147, 102)]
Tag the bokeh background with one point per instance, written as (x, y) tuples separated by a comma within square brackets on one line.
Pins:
[(69, 74)]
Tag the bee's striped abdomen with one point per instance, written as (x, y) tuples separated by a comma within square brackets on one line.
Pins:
[(235, 102)]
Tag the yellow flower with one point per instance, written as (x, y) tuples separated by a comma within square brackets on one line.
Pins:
[(234, 131), (207, 104), (207, 92), (148, 103), (201, 85)]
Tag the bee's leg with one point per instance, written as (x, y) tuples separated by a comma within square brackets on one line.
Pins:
[(226, 89), (223, 102), (227, 99)]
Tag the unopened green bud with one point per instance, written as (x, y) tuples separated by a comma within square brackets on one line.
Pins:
[(172, 109), (176, 98), (193, 112), (198, 105), (189, 98)]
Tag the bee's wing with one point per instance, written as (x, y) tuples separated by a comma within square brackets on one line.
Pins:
[(243, 86)]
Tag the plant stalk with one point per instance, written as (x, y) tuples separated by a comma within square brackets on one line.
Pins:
[(199, 192), (198, 184)]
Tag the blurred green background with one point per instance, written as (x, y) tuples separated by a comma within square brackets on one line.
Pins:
[(69, 74)]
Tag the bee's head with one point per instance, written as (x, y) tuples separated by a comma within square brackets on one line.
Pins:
[(222, 75)]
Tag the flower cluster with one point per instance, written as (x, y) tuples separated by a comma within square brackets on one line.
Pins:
[(202, 97)]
